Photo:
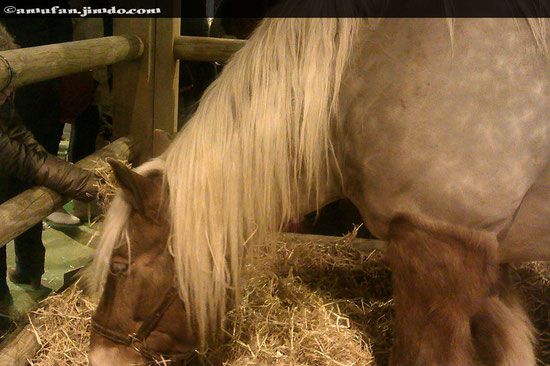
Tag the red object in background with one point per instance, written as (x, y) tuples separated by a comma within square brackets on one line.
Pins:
[(295, 226), (76, 92)]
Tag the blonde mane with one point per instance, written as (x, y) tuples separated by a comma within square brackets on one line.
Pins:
[(262, 126)]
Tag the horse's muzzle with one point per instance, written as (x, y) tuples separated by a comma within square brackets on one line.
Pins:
[(106, 353)]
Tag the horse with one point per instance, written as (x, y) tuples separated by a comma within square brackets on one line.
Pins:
[(436, 130)]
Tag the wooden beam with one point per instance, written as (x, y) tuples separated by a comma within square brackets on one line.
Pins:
[(133, 87), (205, 48), (20, 346), (28, 208), (166, 85), (33, 64)]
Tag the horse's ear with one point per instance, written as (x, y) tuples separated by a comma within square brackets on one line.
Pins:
[(131, 183)]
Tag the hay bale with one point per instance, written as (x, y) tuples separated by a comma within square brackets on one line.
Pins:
[(305, 303)]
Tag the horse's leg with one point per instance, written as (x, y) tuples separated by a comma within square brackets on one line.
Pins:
[(441, 277), (528, 238), (503, 334)]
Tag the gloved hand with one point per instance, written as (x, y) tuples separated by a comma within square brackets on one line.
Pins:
[(66, 179)]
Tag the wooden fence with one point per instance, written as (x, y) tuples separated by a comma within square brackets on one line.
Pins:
[(32, 64), (30, 207), (205, 48), (145, 93)]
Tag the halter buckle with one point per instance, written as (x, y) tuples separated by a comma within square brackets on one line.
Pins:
[(137, 344)]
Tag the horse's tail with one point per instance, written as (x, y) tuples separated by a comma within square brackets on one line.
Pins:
[(262, 130)]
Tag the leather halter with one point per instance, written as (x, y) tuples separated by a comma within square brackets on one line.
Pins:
[(138, 340)]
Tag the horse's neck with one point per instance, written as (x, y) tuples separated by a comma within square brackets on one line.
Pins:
[(329, 191)]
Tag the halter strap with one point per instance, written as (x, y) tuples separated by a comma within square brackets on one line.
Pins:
[(137, 340), (152, 321), (111, 334)]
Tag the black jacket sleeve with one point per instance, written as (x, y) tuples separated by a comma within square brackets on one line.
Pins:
[(23, 157), (20, 154)]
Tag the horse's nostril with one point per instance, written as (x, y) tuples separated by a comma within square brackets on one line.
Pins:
[(118, 267)]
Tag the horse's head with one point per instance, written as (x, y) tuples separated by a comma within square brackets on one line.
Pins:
[(140, 316)]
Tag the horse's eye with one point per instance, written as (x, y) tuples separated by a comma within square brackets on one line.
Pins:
[(118, 266)]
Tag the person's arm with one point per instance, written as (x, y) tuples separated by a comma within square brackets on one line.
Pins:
[(66, 178), (17, 158), (23, 157)]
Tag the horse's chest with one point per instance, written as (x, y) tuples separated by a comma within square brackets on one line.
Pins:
[(457, 131)]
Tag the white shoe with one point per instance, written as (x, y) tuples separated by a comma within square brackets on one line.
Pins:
[(62, 217)]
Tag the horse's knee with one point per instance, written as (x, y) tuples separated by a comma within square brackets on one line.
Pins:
[(441, 277), (442, 262)]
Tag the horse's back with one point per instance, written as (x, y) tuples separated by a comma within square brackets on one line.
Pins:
[(445, 120)]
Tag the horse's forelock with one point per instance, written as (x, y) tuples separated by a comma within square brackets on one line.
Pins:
[(114, 232)]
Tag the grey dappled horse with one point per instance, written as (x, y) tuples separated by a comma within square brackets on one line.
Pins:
[(436, 129)]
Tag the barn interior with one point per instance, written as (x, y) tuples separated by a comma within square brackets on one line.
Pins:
[(341, 296)]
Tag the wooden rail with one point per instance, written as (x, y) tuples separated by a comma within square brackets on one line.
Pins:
[(20, 346), (205, 48), (30, 207), (32, 64)]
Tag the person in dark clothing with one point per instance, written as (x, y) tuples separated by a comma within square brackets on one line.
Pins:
[(24, 162), (39, 104), (23, 158)]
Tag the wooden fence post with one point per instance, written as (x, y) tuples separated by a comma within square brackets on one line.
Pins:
[(145, 91), (133, 87), (165, 103)]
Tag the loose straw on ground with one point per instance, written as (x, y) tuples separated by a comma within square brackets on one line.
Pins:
[(310, 303), (63, 330), (300, 308)]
